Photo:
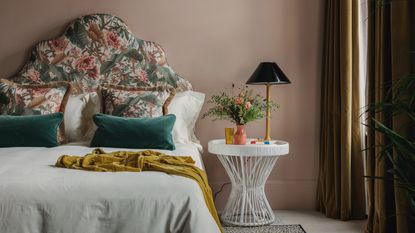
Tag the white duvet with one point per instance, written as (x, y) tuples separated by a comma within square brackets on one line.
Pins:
[(36, 197)]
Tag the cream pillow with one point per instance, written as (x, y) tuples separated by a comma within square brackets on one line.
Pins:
[(72, 117), (79, 126), (186, 106)]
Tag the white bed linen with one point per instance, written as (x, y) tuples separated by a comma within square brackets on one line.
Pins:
[(37, 197)]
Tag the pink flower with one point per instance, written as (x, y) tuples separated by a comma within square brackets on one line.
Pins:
[(59, 44), (85, 63), (238, 101), (75, 52), (113, 39), (155, 53), (142, 75), (248, 105), (93, 73), (34, 75)]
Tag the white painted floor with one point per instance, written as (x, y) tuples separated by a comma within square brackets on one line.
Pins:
[(315, 222)]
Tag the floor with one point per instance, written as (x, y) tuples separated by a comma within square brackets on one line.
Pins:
[(315, 222)]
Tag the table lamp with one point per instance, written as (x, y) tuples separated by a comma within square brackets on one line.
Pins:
[(268, 73)]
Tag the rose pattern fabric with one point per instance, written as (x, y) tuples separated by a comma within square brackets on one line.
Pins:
[(96, 50), (32, 99), (136, 102)]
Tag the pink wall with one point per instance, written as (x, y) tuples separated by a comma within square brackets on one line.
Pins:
[(213, 44)]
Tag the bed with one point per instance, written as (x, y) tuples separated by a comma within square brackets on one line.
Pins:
[(35, 196)]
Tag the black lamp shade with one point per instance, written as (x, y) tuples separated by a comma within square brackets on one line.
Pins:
[(268, 73)]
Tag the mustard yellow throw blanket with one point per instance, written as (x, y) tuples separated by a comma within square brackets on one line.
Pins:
[(147, 160)]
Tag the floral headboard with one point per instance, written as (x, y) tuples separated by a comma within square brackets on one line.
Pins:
[(100, 49)]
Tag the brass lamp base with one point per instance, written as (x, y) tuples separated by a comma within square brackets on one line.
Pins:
[(268, 116)]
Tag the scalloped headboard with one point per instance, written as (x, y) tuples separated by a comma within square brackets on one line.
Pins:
[(99, 49)]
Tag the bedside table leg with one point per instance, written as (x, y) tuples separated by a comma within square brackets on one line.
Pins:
[(247, 204), (243, 181)]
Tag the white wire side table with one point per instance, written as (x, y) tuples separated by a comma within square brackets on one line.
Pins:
[(248, 167)]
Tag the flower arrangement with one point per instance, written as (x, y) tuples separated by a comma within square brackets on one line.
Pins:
[(241, 108)]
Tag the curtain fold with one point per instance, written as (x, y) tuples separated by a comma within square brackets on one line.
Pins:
[(340, 187), (390, 24)]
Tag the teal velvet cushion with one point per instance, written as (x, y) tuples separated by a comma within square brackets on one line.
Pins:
[(33, 130), (139, 133)]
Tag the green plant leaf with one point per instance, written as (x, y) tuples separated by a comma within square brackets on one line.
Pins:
[(78, 35), (151, 98), (119, 109), (134, 54), (108, 65), (402, 144), (399, 149)]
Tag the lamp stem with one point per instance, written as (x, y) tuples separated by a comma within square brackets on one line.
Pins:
[(268, 116)]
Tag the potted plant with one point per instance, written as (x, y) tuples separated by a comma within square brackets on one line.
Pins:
[(240, 109), (401, 102)]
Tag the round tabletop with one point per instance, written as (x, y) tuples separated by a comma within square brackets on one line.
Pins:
[(275, 148)]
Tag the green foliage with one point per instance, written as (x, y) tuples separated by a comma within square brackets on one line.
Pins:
[(57, 71), (134, 54), (120, 109), (401, 103), (116, 58), (240, 109), (90, 18), (4, 99), (78, 35), (108, 65)]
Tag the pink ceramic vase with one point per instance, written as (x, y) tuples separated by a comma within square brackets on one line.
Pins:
[(239, 138)]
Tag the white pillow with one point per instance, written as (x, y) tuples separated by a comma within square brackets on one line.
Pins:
[(72, 117), (186, 106), (78, 114)]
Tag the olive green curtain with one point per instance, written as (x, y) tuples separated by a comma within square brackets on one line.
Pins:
[(390, 24), (340, 187)]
